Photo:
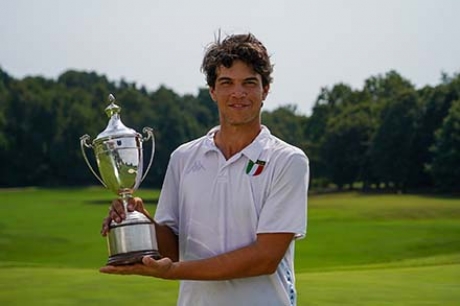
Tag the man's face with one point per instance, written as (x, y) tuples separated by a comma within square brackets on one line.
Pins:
[(239, 94)]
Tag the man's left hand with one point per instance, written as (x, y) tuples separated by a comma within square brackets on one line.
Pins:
[(148, 267)]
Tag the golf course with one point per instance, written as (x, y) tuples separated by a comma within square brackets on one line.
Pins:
[(360, 249)]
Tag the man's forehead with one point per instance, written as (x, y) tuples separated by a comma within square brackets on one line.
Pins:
[(240, 68)]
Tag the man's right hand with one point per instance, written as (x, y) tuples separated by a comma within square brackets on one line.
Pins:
[(117, 212)]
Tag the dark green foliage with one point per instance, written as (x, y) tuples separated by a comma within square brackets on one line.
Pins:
[(392, 151), (285, 124), (379, 135), (446, 151), (42, 120), (346, 143)]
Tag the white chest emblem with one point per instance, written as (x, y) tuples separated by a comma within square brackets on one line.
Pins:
[(196, 166)]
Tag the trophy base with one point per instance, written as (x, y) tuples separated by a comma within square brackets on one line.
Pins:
[(131, 257), (131, 239)]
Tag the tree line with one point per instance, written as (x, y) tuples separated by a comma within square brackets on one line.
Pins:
[(387, 134)]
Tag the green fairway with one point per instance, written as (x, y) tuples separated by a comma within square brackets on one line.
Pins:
[(359, 250)]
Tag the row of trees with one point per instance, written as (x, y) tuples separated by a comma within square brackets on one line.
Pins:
[(387, 134)]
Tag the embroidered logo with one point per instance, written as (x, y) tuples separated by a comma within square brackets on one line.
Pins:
[(196, 166), (255, 168)]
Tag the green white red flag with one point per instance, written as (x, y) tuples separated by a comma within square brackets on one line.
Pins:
[(255, 168)]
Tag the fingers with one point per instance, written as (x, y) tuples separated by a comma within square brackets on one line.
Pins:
[(137, 203), (126, 270), (149, 261), (106, 226), (117, 212), (160, 266), (149, 267), (136, 269)]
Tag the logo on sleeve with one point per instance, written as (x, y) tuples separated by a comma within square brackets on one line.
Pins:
[(255, 168)]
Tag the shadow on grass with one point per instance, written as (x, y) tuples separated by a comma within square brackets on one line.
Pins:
[(148, 201), (422, 192)]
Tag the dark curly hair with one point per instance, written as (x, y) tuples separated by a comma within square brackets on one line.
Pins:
[(244, 47)]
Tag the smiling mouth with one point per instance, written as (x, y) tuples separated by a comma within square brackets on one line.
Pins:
[(238, 105)]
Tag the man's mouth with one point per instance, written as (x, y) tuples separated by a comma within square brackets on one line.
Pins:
[(238, 105)]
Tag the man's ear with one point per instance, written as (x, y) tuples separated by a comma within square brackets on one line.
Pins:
[(265, 92), (212, 94)]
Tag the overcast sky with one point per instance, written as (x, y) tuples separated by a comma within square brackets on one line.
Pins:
[(313, 43)]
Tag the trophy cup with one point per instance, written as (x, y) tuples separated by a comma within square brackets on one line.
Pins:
[(118, 152)]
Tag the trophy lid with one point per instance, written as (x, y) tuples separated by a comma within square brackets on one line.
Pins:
[(115, 128)]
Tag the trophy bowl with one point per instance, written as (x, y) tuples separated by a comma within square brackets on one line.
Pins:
[(119, 156)]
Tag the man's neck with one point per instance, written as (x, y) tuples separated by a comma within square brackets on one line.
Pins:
[(233, 139)]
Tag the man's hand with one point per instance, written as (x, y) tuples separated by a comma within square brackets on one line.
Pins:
[(149, 267), (118, 214), (259, 258)]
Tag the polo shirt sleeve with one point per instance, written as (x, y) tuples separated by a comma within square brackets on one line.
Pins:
[(285, 208), (167, 212)]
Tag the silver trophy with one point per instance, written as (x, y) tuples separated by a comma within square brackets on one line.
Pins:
[(118, 152)]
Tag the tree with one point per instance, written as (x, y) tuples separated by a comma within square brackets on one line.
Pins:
[(346, 142), (284, 123), (5, 81), (391, 149), (445, 167), (172, 128), (203, 109), (436, 101), (378, 134), (383, 87)]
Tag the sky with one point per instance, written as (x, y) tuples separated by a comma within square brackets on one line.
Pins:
[(312, 43)]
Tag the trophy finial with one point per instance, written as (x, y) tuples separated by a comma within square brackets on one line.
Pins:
[(112, 109)]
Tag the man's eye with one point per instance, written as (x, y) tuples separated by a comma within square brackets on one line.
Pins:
[(251, 83)]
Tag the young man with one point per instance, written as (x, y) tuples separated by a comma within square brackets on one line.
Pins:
[(233, 201)]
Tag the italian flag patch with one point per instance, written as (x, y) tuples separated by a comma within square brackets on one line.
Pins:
[(255, 168)]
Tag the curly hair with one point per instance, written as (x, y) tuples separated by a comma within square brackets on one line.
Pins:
[(244, 47)]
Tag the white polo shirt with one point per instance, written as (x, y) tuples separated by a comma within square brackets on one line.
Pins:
[(216, 205)]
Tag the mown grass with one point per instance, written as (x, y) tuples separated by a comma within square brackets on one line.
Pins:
[(359, 250), (353, 229)]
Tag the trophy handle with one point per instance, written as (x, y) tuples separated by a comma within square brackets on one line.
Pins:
[(149, 132), (84, 142)]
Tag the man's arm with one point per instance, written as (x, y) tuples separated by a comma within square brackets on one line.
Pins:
[(259, 258), (168, 242)]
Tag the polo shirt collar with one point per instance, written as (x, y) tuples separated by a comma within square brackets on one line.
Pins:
[(252, 151)]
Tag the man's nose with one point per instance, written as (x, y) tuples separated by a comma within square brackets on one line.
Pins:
[(239, 92)]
